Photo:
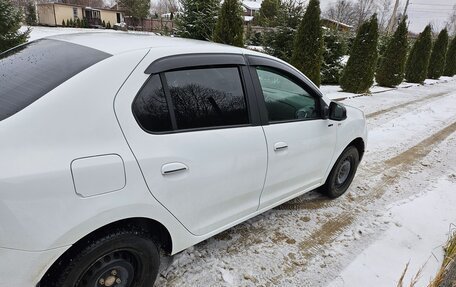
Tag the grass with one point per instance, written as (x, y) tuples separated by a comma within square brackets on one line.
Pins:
[(448, 260)]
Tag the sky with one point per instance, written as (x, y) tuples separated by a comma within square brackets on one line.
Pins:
[(421, 12)]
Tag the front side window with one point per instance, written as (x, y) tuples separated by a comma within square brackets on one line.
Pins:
[(210, 97), (285, 100)]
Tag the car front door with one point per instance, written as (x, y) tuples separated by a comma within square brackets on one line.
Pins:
[(300, 141), (195, 138)]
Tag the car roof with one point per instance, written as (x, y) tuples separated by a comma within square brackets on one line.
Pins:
[(120, 42)]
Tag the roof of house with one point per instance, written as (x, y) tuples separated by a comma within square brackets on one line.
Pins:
[(337, 22), (81, 6), (252, 4)]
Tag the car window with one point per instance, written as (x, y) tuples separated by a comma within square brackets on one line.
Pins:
[(151, 108), (285, 100), (30, 71), (209, 97)]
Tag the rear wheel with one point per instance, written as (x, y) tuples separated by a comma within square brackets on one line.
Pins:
[(342, 174), (122, 258)]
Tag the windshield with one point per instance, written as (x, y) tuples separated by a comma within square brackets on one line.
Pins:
[(30, 71)]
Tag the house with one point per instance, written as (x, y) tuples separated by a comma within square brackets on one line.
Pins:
[(53, 14), (251, 7), (335, 25)]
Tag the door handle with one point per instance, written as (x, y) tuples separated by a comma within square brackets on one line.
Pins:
[(173, 167), (280, 146)]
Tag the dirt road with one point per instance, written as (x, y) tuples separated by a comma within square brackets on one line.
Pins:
[(307, 241)]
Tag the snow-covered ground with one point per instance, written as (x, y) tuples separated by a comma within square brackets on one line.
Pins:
[(399, 208)]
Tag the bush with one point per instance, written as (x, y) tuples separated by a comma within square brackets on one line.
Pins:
[(198, 19), (308, 44), (358, 75), (438, 56), (10, 22), (418, 59), (392, 66), (450, 66), (333, 53)]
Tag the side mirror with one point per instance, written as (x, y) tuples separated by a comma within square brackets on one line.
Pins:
[(337, 112)]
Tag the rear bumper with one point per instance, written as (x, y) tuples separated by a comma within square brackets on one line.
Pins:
[(24, 268)]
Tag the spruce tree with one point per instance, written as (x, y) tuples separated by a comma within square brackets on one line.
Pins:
[(418, 59), (198, 19), (30, 14), (358, 75), (267, 15), (10, 22), (450, 66), (308, 44), (391, 70), (230, 24), (438, 56)]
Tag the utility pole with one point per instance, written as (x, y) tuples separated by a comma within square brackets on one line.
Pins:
[(393, 18), (406, 7)]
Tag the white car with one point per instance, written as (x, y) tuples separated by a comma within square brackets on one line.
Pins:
[(115, 146)]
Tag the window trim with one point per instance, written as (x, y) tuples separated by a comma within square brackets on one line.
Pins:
[(246, 82)]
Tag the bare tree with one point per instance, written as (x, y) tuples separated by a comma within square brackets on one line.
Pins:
[(385, 10), (164, 6), (451, 22), (343, 11), (364, 9)]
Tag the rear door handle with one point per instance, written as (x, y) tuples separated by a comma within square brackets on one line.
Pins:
[(280, 146), (174, 167)]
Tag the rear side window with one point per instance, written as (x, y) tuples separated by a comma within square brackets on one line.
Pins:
[(151, 108), (207, 98), (30, 71), (192, 99)]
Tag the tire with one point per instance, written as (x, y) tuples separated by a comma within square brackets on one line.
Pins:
[(342, 174), (123, 258)]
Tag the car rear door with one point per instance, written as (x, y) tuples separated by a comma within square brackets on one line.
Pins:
[(197, 137), (300, 141)]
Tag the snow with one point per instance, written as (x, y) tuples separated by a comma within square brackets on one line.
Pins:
[(398, 209), (419, 228)]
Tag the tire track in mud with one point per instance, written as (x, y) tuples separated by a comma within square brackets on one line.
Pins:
[(407, 104)]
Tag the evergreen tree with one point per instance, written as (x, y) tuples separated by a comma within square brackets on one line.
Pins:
[(10, 22), (391, 70), (450, 66), (103, 23), (198, 19), (333, 52), (438, 56), (78, 23), (308, 44), (279, 42), (108, 25), (268, 13), (137, 9), (31, 14), (71, 24), (418, 59), (63, 23), (230, 24), (358, 75)]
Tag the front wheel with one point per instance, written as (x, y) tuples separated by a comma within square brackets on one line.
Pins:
[(342, 173), (122, 258)]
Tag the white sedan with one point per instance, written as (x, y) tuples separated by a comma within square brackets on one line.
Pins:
[(117, 148)]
